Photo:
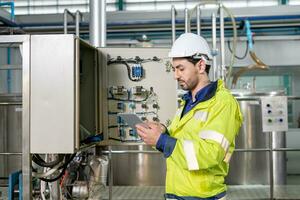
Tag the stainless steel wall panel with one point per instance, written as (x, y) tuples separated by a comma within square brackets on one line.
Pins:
[(14, 137), (52, 94), (10, 135), (63, 93), (3, 139)]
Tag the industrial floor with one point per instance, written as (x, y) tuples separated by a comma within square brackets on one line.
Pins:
[(253, 192)]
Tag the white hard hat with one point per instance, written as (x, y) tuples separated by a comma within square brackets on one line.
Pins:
[(190, 44)]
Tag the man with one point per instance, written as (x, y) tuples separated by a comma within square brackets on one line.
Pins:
[(200, 140)]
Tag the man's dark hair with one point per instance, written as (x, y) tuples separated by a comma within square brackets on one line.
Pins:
[(195, 61)]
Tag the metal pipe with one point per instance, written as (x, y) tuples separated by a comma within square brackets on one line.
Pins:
[(7, 154), (214, 46), (78, 19), (258, 98), (11, 67), (198, 14), (98, 30), (128, 151), (286, 149), (77, 94), (66, 13), (186, 20), (236, 150), (222, 42), (271, 165), (252, 150), (110, 180), (10, 103), (8, 74), (173, 18), (26, 157)]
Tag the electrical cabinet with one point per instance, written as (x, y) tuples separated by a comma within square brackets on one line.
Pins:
[(64, 104), (140, 81)]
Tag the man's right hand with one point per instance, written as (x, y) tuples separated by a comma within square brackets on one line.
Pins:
[(157, 124)]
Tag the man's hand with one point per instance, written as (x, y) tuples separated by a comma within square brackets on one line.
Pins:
[(150, 135)]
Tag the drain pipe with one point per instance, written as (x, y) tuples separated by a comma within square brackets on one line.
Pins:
[(98, 28)]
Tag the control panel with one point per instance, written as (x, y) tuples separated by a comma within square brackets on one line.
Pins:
[(139, 81), (274, 113)]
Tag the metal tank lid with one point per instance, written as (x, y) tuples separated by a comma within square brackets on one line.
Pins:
[(261, 92)]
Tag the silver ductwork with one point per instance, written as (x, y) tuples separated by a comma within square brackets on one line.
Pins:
[(98, 23)]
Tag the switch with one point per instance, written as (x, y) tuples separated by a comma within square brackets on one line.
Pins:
[(155, 105), (122, 132), (144, 106), (121, 106), (155, 119), (120, 120), (132, 106)]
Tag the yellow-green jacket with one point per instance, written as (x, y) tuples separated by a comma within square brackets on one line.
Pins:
[(204, 137)]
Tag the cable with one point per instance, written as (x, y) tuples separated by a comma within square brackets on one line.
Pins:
[(55, 178), (127, 67), (41, 162), (128, 98), (136, 60), (42, 176), (240, 58), (47, 173)]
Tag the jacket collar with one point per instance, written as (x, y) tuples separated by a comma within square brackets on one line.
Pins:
[(202, 95)]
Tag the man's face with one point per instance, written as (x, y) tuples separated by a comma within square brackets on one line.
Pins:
[(186, 73)]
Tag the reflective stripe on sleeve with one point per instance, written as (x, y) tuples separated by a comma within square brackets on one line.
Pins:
[(190, 155), (227, 157), (217, 137)]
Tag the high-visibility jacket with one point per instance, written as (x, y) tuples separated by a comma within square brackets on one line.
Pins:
[(205, 137)]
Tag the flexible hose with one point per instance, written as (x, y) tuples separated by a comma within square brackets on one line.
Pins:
[(234, 28), (41, 162), (59, 166)]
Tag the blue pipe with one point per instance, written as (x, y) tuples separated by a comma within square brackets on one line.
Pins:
[(249, 35), (12, 18), (12, 8)]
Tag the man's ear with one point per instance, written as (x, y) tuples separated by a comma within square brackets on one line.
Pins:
[(201, 66)]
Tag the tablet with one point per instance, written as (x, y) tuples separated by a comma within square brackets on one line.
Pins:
[(132, 120)]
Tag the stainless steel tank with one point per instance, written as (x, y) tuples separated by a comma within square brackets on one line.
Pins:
[(248, 168), (138, 169), (10, 134)]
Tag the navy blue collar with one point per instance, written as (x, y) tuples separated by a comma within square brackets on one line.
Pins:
[(202, 95)]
